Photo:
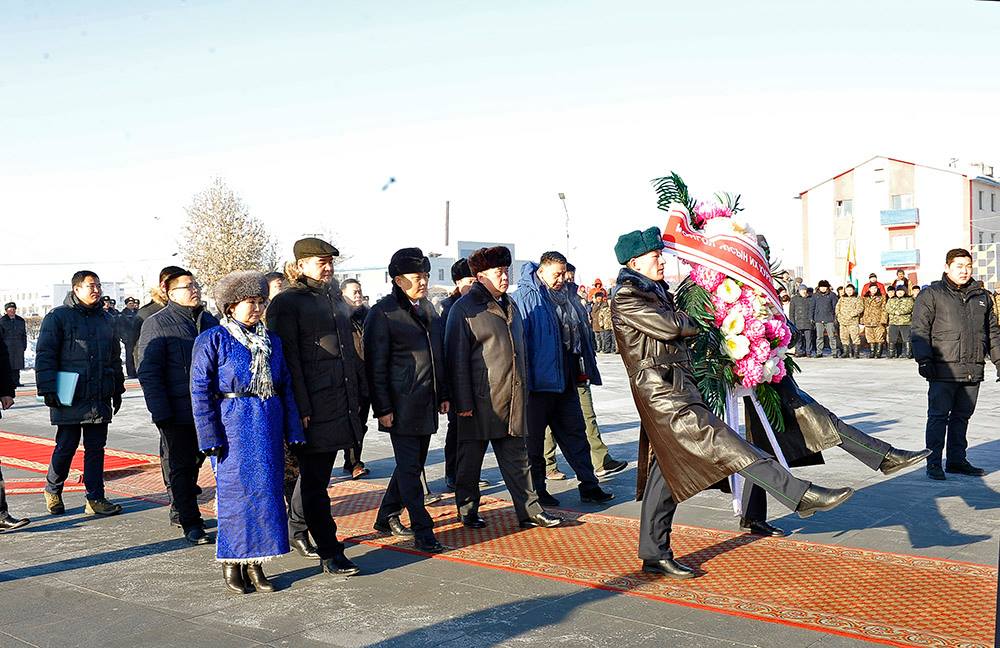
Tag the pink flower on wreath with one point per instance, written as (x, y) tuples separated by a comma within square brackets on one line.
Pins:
[(786, 334), (772, 329), (721, 308), (760, 350), (705, 212), (751, 371), (755, 330), (706, 277), (780, 373)]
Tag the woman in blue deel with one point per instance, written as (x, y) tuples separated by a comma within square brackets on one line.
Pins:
[(244, 411)]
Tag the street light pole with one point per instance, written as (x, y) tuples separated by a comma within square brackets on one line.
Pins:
[(562, 197)]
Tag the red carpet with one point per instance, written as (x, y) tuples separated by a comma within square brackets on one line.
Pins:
[(888, 598), (34, 486), (34, 453)]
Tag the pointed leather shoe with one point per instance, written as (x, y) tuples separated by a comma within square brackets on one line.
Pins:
[(819, 498), (11, 523), (197, 536), (935, 472), (428, 545), (394, 527), (304, 547), (965, 469), (667, 567), (233, 575), (898, 459), (762, 528), (595, 496), (339, 565), (255, 573), (543, 519), (472, 520)]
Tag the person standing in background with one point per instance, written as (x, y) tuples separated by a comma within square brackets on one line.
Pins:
[(14, 334)]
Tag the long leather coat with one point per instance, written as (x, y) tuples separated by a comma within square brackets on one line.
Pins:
[(328, 379), (693, 447), (404, 361), (484, 354)]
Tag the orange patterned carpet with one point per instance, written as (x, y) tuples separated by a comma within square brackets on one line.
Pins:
[(874, 596)]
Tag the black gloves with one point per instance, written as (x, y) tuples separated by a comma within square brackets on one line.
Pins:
[(926, 370), (116, 403), (215, 451), (297, 447), (51, 400)]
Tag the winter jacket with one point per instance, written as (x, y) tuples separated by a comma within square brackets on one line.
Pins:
[(446, 305), (996, 305), (693, 447), (588, 351), (485, 358), (164, 362), (80, 339), (825, 309), (6, 379), (954, 330), (598, 320), (327, 376), (14, 333), (404, 362), (542, 333), (900, 311), (156, 303), (358, 317), (874, 314), (802, 312), (849, 310)]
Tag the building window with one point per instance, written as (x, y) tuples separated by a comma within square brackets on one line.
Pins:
[(980, 199), (902, 201), (387, 277), (902, 239), (440, 274), (879, 175), (993, 202), (845, 208), (980, 238)]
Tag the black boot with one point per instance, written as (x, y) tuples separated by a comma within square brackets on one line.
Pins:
[(909, 350), (818, 498), (857, 351), (891, 348), (255, 572), (233, 575)]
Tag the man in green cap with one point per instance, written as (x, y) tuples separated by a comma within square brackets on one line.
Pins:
[(683, 447)]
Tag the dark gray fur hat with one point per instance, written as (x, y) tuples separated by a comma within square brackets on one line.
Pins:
[(240, 285)]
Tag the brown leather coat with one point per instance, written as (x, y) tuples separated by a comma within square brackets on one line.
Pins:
[(484, 356), (693, 447)]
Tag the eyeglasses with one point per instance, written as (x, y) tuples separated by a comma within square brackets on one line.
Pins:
[(190, 287)]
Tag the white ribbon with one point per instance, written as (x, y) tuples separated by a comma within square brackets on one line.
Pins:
[(733, 397)]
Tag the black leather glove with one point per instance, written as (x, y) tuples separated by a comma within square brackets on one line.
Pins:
[(116, 403), (297, 447), (215, 451), (926, 370), (51, 400)]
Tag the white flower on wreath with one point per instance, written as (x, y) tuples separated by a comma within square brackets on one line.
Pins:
[(734, 323), (728, 291), (737, 346), (780, 353), (770, 368)]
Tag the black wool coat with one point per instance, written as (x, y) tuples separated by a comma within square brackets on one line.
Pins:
[(164, 361), (80, 339), (404, 360), (14, 333), (327, 377)]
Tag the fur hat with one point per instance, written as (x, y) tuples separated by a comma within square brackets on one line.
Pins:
[(637, 243), (485, 258), (313, 247), (237, 286), (407, 261), (823, 283), (9, 305), (460, 270)]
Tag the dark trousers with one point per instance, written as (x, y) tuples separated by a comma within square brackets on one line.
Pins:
[(451, 448), (806, 346), (656, 517), (830, 330), (130, 361), (406, 486), (865, 448), (15, 377), (563, 415), (311, 502), (605, 341), (3, 495), (512, 457), (95, 437), (179, 445), (950, 405)]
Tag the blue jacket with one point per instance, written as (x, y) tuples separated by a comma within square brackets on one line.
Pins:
[(542, 333)]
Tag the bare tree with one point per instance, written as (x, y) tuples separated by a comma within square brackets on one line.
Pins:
[(220, 236)]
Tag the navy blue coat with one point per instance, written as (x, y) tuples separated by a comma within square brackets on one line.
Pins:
[(587, 351), (825, 307), (81, 340), (164, 361), (542, 334)]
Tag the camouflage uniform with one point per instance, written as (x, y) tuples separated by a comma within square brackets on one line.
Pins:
[(848, 311), (900, 313), (874, 320)]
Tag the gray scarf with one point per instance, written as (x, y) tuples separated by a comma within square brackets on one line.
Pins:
[(256, 341), (569, 319)]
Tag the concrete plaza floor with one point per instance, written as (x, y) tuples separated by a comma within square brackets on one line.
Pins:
[(131, 581)]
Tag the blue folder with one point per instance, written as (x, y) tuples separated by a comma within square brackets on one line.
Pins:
[(65, 387)]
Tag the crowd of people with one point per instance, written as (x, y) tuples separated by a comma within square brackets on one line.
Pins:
[(284, 376)]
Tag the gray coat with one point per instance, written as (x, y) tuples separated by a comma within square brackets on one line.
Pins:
[(484, 354)]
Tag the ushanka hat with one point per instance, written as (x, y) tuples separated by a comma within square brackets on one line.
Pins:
[(492, 257), (637, 243), (460, 270), (313, 247), (237, 286), (408, 261), (9, 305)]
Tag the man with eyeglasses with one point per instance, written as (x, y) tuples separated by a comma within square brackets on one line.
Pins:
[(128, 333), (78, 338), (165, 345)]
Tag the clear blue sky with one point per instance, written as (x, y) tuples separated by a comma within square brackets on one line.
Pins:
[(120, 111)]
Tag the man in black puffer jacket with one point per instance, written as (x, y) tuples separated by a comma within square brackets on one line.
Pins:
[(79, 338), (954, 330), (164, 361)]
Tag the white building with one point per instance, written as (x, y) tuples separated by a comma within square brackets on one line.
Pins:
[(901, 215), (40, 300)]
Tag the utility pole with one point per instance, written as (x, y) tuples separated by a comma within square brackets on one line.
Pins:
[(447, 222), (562, 197)]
